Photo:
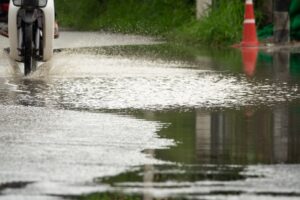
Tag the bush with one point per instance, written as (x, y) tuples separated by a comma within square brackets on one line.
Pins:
[(79, 14), (223, 24), (137, 16), (174, 19)]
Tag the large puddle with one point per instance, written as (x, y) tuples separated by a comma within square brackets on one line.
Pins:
[(145, 122), (66, 148), (80, 81)]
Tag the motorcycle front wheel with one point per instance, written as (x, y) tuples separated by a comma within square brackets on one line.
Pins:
[(28, 49)]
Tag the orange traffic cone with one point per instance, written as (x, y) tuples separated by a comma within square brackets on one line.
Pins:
[(249, 33), (249, 60)]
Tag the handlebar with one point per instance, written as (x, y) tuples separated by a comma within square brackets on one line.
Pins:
[(30, 4)]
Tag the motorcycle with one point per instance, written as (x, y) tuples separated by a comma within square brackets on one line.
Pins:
[(31, 25)]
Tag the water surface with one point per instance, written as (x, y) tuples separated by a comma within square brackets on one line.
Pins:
[(144, 122)]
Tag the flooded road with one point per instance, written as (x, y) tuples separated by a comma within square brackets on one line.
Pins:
[(130, 118)]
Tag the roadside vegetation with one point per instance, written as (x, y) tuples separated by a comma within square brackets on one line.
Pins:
[(174, 20), (222, 25), (128, 16)]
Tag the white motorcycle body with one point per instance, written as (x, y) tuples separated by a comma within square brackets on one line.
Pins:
[(15, 34)]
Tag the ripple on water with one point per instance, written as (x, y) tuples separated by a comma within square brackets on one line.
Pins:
[(61, 150), (211, 182), (103, 82)]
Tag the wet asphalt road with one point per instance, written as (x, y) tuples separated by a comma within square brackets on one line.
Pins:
[(75, 121)]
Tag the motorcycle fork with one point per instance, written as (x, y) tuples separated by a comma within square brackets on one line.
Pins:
[(33, 17)]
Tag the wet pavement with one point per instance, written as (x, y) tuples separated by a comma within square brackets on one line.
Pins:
[(126, 117)]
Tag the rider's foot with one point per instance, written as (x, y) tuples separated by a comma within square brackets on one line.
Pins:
[(56, 30), (4, 29)]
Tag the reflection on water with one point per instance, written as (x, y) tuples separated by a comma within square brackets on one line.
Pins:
[(222, 154), (249, 56), (245, 137), (236, 126), (279, 66), (246, 153), (204, 182)]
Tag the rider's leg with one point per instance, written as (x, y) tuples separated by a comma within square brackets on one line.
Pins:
[(56, 29)]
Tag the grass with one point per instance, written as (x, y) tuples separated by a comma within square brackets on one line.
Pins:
[(172, 19), (78, 14), (131, 16), (111, 196), (223, 25)]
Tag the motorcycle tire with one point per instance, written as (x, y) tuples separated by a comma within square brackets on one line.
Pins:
[(28, 49)]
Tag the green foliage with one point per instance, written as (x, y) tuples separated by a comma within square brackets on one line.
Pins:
[(222, 25), (130, 16), (79, 14), (110, 196), (144, 16), (174, 19)]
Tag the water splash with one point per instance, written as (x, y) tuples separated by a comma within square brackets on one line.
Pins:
[(106, 82)]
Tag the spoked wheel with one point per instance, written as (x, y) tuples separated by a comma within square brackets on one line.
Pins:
[(29, 59)]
